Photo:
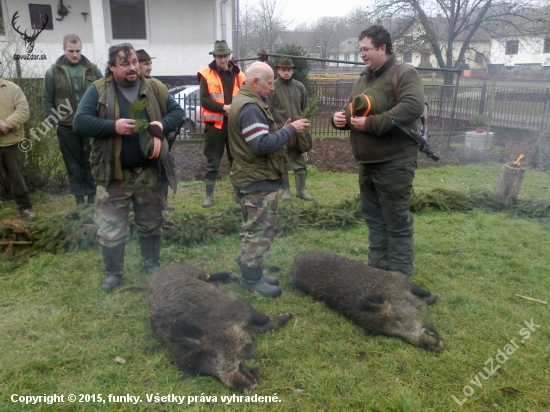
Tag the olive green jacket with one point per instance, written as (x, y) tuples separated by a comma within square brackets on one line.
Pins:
[(57, 88), (381, 141), (247, 168), (288, 101), (105, 155), (14, 110)]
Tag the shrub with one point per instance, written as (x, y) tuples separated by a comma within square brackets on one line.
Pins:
[(478, 120)]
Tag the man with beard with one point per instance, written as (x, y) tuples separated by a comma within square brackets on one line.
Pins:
[(123, 173), (67, 81), (386, 157)]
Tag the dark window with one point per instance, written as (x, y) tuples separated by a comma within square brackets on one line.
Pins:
[(408, 57), (512, 47), (424, 57), (2, 30), (38, 14), (479, 59), (346, 56), (128, 19), (546, 45)]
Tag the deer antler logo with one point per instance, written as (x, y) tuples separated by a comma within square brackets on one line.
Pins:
[(29, 40)]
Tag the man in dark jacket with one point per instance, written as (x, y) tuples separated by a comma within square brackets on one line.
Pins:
[(64, 85), (387, 158), (219, 82), (123, 172), (288, 101), (257, 172)]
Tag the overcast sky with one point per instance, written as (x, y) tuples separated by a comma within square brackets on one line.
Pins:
[(300, 11)]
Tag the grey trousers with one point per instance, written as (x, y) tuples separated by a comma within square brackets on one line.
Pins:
[(386, 194)]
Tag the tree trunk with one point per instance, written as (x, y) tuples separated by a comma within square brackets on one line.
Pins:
[(448, 78), (509, 184)]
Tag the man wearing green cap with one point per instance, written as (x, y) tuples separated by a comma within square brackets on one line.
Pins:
[(145, 63), (219, 82), (288, 101), (64, 85), (387, 158)]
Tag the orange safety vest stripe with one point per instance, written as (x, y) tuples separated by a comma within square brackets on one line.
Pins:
[(215, 89)]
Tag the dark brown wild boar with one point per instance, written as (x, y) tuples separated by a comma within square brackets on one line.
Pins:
[(209, 331), (379, 301)]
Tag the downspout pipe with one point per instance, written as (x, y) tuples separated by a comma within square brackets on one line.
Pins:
[(224, 24)]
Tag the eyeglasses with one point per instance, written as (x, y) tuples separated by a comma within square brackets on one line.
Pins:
[(365, 50)]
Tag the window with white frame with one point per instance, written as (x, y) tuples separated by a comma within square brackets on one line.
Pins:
[(546, 45), (512, 47), (425, 56), (128, 19)]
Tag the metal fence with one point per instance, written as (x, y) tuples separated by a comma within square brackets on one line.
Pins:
[(506, 107)]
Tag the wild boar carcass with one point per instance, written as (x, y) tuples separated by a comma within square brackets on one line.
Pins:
[(379, 301), (209, 331)]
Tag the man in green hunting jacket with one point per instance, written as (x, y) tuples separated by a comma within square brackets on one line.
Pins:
[(288, 101), (64, 85), (14, 112), (124, 174), (387, 158)]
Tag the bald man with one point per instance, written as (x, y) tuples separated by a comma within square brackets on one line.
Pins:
[(257, 172)]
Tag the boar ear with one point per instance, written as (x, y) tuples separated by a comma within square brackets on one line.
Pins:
[(372, 303), (185, 334)]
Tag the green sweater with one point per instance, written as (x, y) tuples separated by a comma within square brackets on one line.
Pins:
[(67, 81), (381, 141)]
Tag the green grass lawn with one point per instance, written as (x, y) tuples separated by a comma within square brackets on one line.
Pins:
[(60, 334)]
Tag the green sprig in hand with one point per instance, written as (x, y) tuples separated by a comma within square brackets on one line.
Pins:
[(136, 107)]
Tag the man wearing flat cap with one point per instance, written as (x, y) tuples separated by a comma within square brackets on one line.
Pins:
[(219, 82), (387, 158), (288, 101), (145, 63)]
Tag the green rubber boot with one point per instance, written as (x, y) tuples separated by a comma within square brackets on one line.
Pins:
[(252, 278), (300, 177), (113, 257), (209, 196), (150, 253), (286, 187)]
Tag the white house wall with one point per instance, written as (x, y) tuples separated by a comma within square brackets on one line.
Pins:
[(530, 51), (180, 34)]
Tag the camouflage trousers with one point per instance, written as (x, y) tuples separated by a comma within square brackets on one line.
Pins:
[(112, 206), (259, 211)]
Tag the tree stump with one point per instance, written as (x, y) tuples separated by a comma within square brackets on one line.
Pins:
[(509, 184)]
